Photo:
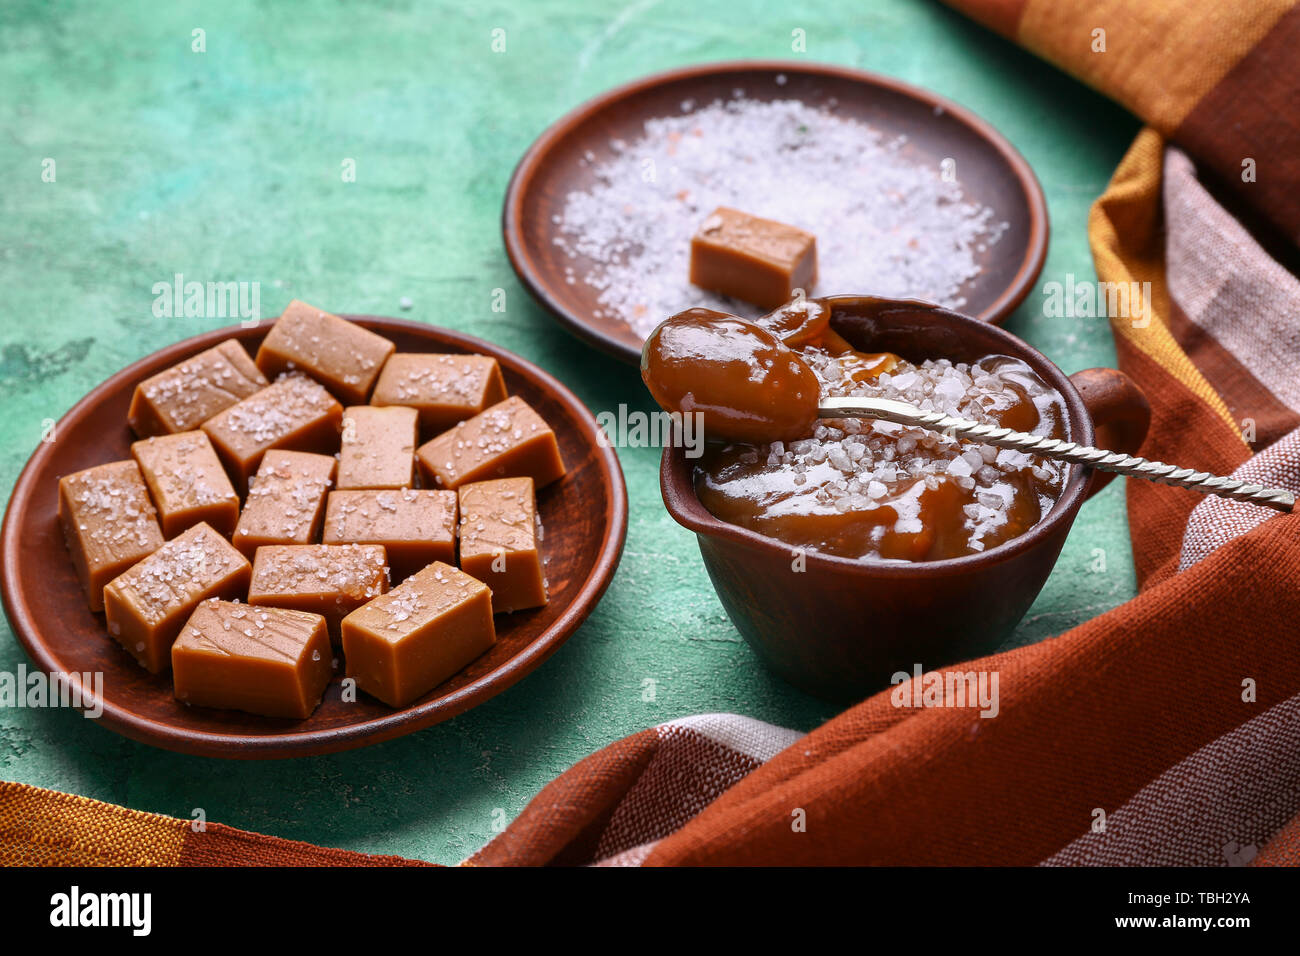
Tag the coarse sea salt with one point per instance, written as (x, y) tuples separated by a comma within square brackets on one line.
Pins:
[(887, 223), (859, 466), (872, 457)]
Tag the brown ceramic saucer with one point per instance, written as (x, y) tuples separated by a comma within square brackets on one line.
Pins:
[(584, 514), (988, 167)]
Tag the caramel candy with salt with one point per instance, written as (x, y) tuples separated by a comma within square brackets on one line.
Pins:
[(286, 501), (499, 541), (509, 440), (187, 482), (184, 396), (293, 413), (445, 389), (402, 645), (327, 579), (263, 660), (108, 522), (147, 604), (756, 260), (416, 528), (378, 448), (340, 354)]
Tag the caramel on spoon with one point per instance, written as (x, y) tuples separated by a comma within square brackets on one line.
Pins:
[(745, 382)]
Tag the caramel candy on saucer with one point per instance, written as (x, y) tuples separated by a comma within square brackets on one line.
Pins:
[(285, 502), (263, 660), (509, 440), (753, 259), (147, 604), (499, 541), (108, 522), (378, 448), (184, 396), (402, 645), (445, 389), (416, 528), (340, 354), (293, 413), (187, 482), (327, 579)]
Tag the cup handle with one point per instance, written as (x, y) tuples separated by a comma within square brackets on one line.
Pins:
[(1119, 411)]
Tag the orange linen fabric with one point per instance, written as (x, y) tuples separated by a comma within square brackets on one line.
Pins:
[(44, 828), (1219, 79)]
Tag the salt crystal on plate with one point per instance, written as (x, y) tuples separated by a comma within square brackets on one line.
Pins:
[(883, 220)]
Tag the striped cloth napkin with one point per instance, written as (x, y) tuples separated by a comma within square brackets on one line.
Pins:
[(1166, 731)]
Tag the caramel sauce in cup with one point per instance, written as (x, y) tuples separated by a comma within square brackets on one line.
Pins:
[(854, 488)]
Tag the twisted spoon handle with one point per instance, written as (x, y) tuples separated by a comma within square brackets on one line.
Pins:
[(905, 414)]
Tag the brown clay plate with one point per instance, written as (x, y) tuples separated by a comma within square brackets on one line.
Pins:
[(584, 516), (989, 170)]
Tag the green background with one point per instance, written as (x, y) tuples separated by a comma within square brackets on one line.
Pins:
[(225, 166)]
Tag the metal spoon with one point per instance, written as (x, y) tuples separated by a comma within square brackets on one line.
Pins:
[(904, 414)]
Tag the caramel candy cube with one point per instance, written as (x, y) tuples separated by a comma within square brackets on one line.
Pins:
[(184, 396), (756, 260), (286, 501), (416, 528), (500, 541), (263, 660), (147, 604), (293, 413), (378, 449), (509, 440), (341, 355), (445, 389), (402, 645), (108, 522), (327, 579), (187, 482)]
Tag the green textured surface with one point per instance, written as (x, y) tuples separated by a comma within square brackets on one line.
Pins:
[(226, 166)]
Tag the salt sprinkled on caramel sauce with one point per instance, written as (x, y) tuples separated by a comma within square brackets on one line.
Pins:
[(858, 488)]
